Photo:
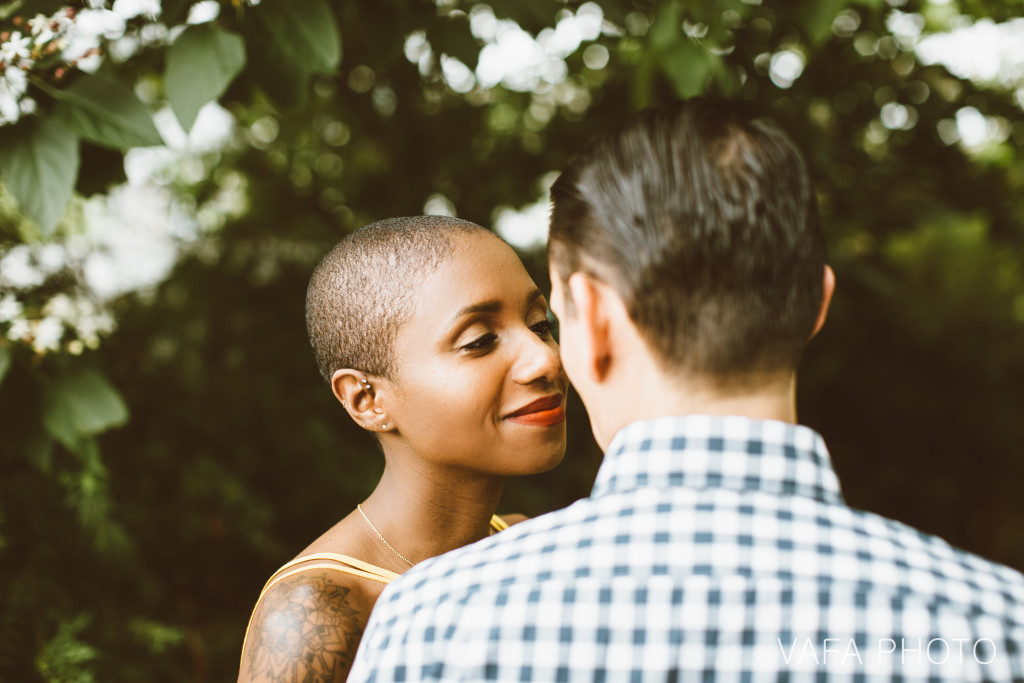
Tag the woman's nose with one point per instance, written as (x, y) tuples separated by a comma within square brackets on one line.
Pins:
[(537, 360)]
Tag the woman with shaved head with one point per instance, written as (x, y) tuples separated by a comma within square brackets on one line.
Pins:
[(435, 340)]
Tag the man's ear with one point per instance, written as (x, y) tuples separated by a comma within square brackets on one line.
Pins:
[(590, 302), (362, 399), (826, 299)]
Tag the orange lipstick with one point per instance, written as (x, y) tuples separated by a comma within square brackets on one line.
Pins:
[(544, 412)]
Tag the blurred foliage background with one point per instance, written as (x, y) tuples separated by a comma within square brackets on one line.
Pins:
[(173, 171)]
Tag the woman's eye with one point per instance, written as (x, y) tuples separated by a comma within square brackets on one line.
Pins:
[(482, 342), (544, 328)]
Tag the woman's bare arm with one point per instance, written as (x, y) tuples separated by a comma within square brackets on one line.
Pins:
[(306, 628)]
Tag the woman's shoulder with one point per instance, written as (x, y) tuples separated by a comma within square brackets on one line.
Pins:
[(307, 626)]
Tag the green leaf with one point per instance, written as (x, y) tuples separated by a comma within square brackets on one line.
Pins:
[(105, 111), (80, 405), (451, 35), (532, 15), (306, 31), (174, 12), (201, 64), (817, 19), (66, 657), (287, 84), (34, 7), (39, 164), (157, 636), (643, 80), (687, 66), (5, 362), (38, 450), (667, 27), (7, 9)]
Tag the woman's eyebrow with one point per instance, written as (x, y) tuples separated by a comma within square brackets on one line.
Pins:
[(493, 305)]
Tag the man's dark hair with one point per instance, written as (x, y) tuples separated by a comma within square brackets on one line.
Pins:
[(705, 222), (364, 289)]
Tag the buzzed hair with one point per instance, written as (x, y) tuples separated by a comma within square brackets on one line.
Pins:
[(363, 289)]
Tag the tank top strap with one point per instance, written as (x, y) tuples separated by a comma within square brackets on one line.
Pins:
[(332, 561), (498, 524)]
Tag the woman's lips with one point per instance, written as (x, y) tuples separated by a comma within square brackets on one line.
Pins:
[(542, 418), (543, 412)]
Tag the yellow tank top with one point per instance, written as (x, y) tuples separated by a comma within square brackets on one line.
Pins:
[(341, 563)]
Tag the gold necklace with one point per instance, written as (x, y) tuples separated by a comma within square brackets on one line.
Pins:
[(381, 536)]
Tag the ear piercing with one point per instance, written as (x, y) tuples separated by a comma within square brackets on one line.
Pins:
[(366, 386)]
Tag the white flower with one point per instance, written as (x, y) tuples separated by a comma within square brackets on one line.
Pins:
[(16, 47), (90, 24), (124, 48), (48, 334), (104, 322), (135, 229), (82, 38), (203, 11), (40, 28), (61, 307), (129, 9), (90, 327), (27, 106), (89, 64), (19, 330), (16, 80), (10, 111), (153, 33), (51, 258), (13, 83), (18, 270), (62, 20), (10, 308)]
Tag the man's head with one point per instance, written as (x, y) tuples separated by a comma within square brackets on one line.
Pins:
[(703, 223)]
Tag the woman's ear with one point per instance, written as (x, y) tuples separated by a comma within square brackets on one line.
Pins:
[(362, 399)]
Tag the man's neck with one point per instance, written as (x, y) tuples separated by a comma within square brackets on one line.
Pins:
[(659, 395)]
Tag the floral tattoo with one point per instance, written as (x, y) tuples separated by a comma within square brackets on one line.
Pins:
[(308, 633)]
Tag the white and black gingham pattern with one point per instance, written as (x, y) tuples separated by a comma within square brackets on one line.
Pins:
[(712, 549)]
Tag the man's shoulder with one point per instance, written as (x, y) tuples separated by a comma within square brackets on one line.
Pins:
[(517, 542), (686, 534), (924, 556), (650, 567)]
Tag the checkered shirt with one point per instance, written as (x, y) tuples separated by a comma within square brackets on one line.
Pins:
[(711, 549)]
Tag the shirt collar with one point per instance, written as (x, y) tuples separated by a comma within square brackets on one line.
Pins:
[(711, 451)]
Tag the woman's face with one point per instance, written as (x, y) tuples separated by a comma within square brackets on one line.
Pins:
[(478, 383)]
